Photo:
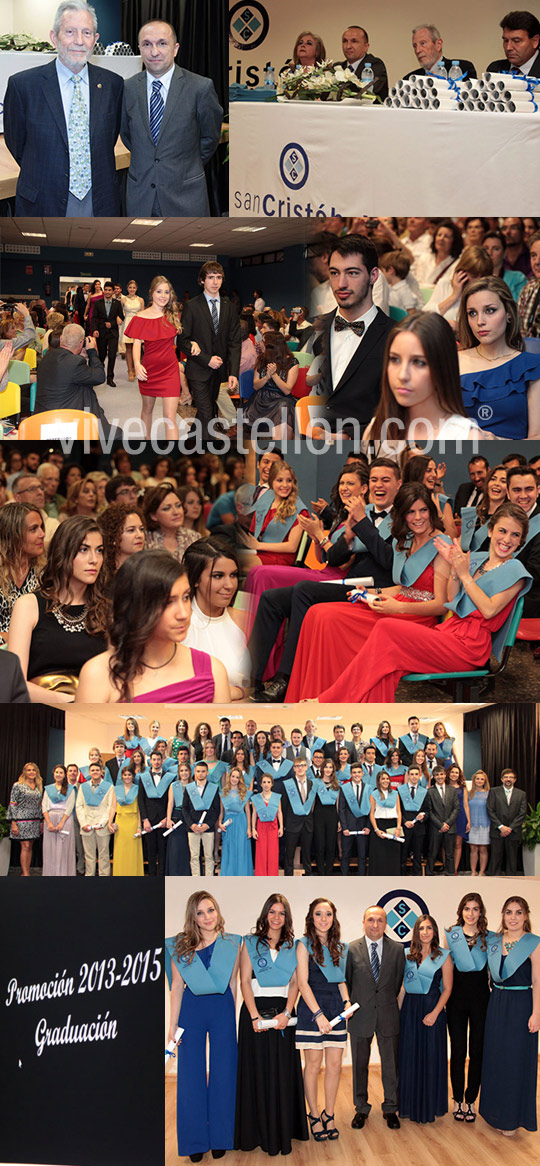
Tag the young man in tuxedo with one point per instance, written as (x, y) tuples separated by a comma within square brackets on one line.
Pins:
[(506, 807), (212, 320), (414, 819), (442, 806)]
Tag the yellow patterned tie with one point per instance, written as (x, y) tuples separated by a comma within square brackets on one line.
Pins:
[(80, 166)]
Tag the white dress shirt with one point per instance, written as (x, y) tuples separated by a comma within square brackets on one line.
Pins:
[(165, 83), (343, 345), (67, 87)]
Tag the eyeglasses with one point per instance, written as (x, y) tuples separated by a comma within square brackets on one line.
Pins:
[(30, 489)]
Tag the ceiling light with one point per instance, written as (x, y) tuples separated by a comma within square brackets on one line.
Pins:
[(201, 244), (249, 230), (146, 222), (123, 240), (34, 234)]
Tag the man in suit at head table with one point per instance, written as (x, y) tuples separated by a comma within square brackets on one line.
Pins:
[(427, 43), (171, 123), (61, 123)]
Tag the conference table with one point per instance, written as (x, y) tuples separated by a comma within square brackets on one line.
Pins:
[(323, 158)]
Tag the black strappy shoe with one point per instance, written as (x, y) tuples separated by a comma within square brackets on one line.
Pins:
[(326, 1118), (458, 1113), (320, 1135)]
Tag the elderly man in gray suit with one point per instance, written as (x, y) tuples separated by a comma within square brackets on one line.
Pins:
[(171, 123), (374, 976)]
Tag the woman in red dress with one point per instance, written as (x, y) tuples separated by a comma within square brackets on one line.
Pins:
[(157, 328), (420, 576), (482, 592), (275, 531)]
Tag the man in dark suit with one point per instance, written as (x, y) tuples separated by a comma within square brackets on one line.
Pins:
[(374, 976), (332, 748), (471, 492), (116, 763), (353, 816), (199, 829), (521, 40), (107, 315), (372, 525), (297, 806), (61, 122), (223, 740), (410, 742), (506, 807), (79, 305), (428, 46), (413, 819), (212, 320), (13, 688), (522, 486), (171, 122), (355, 45), (65, 380), (153, 799), (354, 336), (442, 805)]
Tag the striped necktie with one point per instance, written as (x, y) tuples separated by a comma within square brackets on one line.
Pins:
[(157, 106), (80, 166), (215, 317), (375, 962)]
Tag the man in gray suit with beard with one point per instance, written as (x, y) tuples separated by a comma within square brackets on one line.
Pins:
[(171, 123), (374, 976)]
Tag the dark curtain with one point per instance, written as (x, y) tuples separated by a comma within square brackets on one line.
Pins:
[(202, 32), (509, 739), (25, 737)]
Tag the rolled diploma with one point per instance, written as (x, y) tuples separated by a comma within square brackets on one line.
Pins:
[(344, 1015), (175, 827), (172, 1044), (353, 833), (227, 823), (202, 817), (264, 1024), (392, 837), (507, 81), (358, 581), (139, 833)]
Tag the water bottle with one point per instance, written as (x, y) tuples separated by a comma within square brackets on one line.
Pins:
[(367, 78), (269, 79), (454, 72), (439, 70)]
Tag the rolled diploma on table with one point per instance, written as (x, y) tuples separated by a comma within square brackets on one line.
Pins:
[(504, 81), (174, 827), (272, 1023), (344, 1015), (172, 1044)]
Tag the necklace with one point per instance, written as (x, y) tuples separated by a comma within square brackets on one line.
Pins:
[(156, 667), (510, 943), (70, 623), (491, 359)]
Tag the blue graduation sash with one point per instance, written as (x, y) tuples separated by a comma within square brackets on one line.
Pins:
[(153, 791), (178, 793), (56, 796), (381, 745), (515, 958), (333, 973), (216, 772), (407, 569), (94, 797), (371, 779), (285, 769), (266, 813), (491, 584), (232, 803), (472, 537), (126, 797), (270, 973), (406, 800), (200, 803), (299, 807), (409, 746), (318, 743), (399, 771), (419, 978), (349, 793), (445, 748), (384, 529), (357, 547), (390, 801), (466, 959), (326, 796), (275, 531), (136, 743), (170, 764), (211, 981), (343, 775)]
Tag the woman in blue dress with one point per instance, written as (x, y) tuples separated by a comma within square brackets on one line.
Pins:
[(178, 860), (510, 1063), (321, 981), (270, 1107), (235, 826), (445, 744), (456, 778), (423, 1067), (466, 1010), (500, 380), (202, 966), (479, 833)]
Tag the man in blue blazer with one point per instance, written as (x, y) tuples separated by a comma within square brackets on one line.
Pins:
[(61, 122), (171, 123)]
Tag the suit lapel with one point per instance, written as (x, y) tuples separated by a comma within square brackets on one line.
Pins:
[(364, 349), (142, 103), (51, 94), (173, 98), (96, 94)]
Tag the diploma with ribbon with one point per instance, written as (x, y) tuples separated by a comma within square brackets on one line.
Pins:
[(167, 832), (392, 837), (170, 1050), (272, 1023), (358, 581), (362, 596), (344, 1015)]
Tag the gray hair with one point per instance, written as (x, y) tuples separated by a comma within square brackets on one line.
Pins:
[(72, 336), (17, 481), (73, 6), (46, 467), (433, 31)]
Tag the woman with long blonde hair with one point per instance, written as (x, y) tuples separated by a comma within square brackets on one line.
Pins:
[(275, 532), (235, 825), (25, 812)]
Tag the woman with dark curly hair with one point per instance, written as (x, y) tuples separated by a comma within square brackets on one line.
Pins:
[(59, 627), (270, 1108), (202, 734), (164, 516), (124, 535), (151, 603), (466, 1010), (22, 538), (321, 981), (418, 594), (423, 1066)]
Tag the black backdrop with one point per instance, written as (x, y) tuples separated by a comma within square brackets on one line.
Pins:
[(509, 739), (24, 737)]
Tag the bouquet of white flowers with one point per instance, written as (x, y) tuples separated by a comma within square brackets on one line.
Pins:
[(324, 82)]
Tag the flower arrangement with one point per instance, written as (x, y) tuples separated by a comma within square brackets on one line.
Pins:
[(324, 82), (20, 42)]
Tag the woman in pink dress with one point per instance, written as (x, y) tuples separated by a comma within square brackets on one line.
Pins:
[(157, 328), (333, 633)]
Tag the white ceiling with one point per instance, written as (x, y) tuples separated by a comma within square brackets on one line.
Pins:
[(170, 235)]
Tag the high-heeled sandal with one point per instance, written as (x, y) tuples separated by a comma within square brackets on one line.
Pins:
[(326, 1118), (320, 1135), (469, 1112), (458, 1113)]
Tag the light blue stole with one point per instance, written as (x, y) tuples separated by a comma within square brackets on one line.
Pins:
[(326, 796), (270, 973), (136, 743), (349, 793), (200, 803), (94, 797), (407, 569), (216, 772), (371, 779), (419, 978), (156, 791), (410, 747), (466, 959), (472, 537), (126, 797), (302, 809), (500, 579), (275, 531), (399, 771), (56, 796), (390, 801), (445, 749), (284, 770), (343, 775), (408, 802), (333, 973), (381, 745), (211, 981), (233, 803), (515, 958), (266, 813), (178, 793), (384, 529), (318, 743)]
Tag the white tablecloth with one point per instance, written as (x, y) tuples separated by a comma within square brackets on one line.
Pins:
[(300, 159), (11, 63)]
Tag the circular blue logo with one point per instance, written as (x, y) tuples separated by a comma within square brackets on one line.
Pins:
[(294, 166), (454, 935), (262, 962), (485, 412), (402, 910), (248, 25)]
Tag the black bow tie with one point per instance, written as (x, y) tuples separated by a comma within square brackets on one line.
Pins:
[(357, 326)]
